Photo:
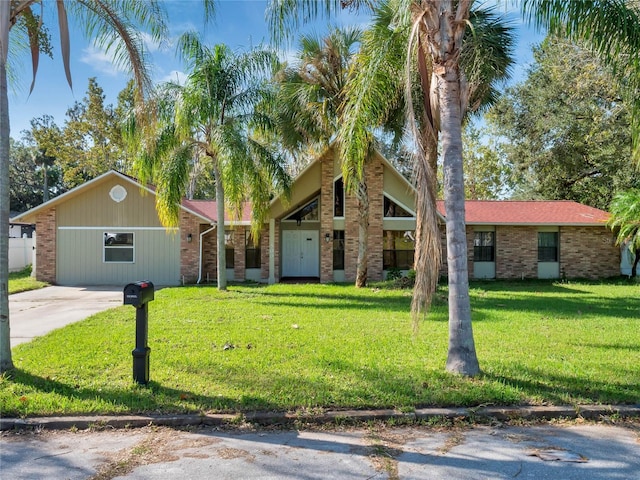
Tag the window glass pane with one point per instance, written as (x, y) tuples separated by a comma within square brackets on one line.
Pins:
[(229, 250), (252, 250), (113, 238), (399, 247), (338, 193), (118, 255), (392, 209), (250, 241), (309, 212), (118, 247), (338, 249), (483, 247), (228, 239), (547, 246)]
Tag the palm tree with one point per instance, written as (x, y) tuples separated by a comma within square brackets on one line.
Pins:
[(115, 25), (311, 100), (381, 82), (436, 41), (221, 113), (625, 221)]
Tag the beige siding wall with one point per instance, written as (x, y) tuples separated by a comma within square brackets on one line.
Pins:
[(80, 256), (95, 207), (397, 188)]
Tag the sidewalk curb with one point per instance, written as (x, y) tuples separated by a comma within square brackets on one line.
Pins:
[(591, 412)]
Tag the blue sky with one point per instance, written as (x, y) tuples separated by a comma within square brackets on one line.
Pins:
[(238, 23)]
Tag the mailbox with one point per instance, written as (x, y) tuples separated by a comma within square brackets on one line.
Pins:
[(139, 293)]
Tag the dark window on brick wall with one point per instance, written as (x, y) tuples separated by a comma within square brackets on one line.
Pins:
[(484, 247), (338, 249), (338, 198), (228, 248), (547, 246), (252, 250)]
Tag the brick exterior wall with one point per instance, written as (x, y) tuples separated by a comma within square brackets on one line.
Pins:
[(46, 235), (374, 175), (585, 252), (588, 252), (239, 254), (189, 251), (264, 254), (209, 255), (326, 219), (516, 252)]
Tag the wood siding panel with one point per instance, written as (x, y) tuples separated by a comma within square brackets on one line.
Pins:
[(95, 207), (80, 258)]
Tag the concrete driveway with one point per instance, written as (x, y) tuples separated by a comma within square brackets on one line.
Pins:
[(37, 312)]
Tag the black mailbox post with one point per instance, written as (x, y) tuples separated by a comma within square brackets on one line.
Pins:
[(139, 295)]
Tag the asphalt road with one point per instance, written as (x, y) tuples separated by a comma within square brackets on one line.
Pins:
[(37, 312), (577, 451)]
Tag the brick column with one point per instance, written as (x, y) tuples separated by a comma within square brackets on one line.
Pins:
[(46, 241), (470, 237), (189, 251), (264, 253), (326, 218), (209, 255), (239, 254), (374, 178), (516, 252)]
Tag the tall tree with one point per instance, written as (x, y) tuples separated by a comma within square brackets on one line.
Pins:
[(566, 127), (487, 173), (116, 26), (311, 98), (91, 142), (438, 29), (216, 115)]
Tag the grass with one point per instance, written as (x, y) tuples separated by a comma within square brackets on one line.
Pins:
[(22, 281), (305, 347)]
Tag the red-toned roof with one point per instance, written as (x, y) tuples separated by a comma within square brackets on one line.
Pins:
[(532, 212), (207, 208)]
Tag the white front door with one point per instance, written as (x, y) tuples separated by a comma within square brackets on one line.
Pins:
[(300, 253)]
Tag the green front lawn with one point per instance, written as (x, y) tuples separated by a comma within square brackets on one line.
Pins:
[(288, 347), (22, 281)]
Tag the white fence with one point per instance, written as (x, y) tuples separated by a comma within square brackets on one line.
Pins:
[(21, 253)]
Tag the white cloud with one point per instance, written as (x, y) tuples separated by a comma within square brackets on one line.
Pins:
[(150, 44), (100, 61), (175, 76)]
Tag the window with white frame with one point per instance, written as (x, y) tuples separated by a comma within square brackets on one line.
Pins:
[(118, 247)]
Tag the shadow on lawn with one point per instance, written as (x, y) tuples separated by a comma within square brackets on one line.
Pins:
[(337, 301), (560, 308), (152, 398), (560, 389)]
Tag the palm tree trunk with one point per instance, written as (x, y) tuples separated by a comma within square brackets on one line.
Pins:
[(461, 357), (5, 338), (362, 197), (222, 260)]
